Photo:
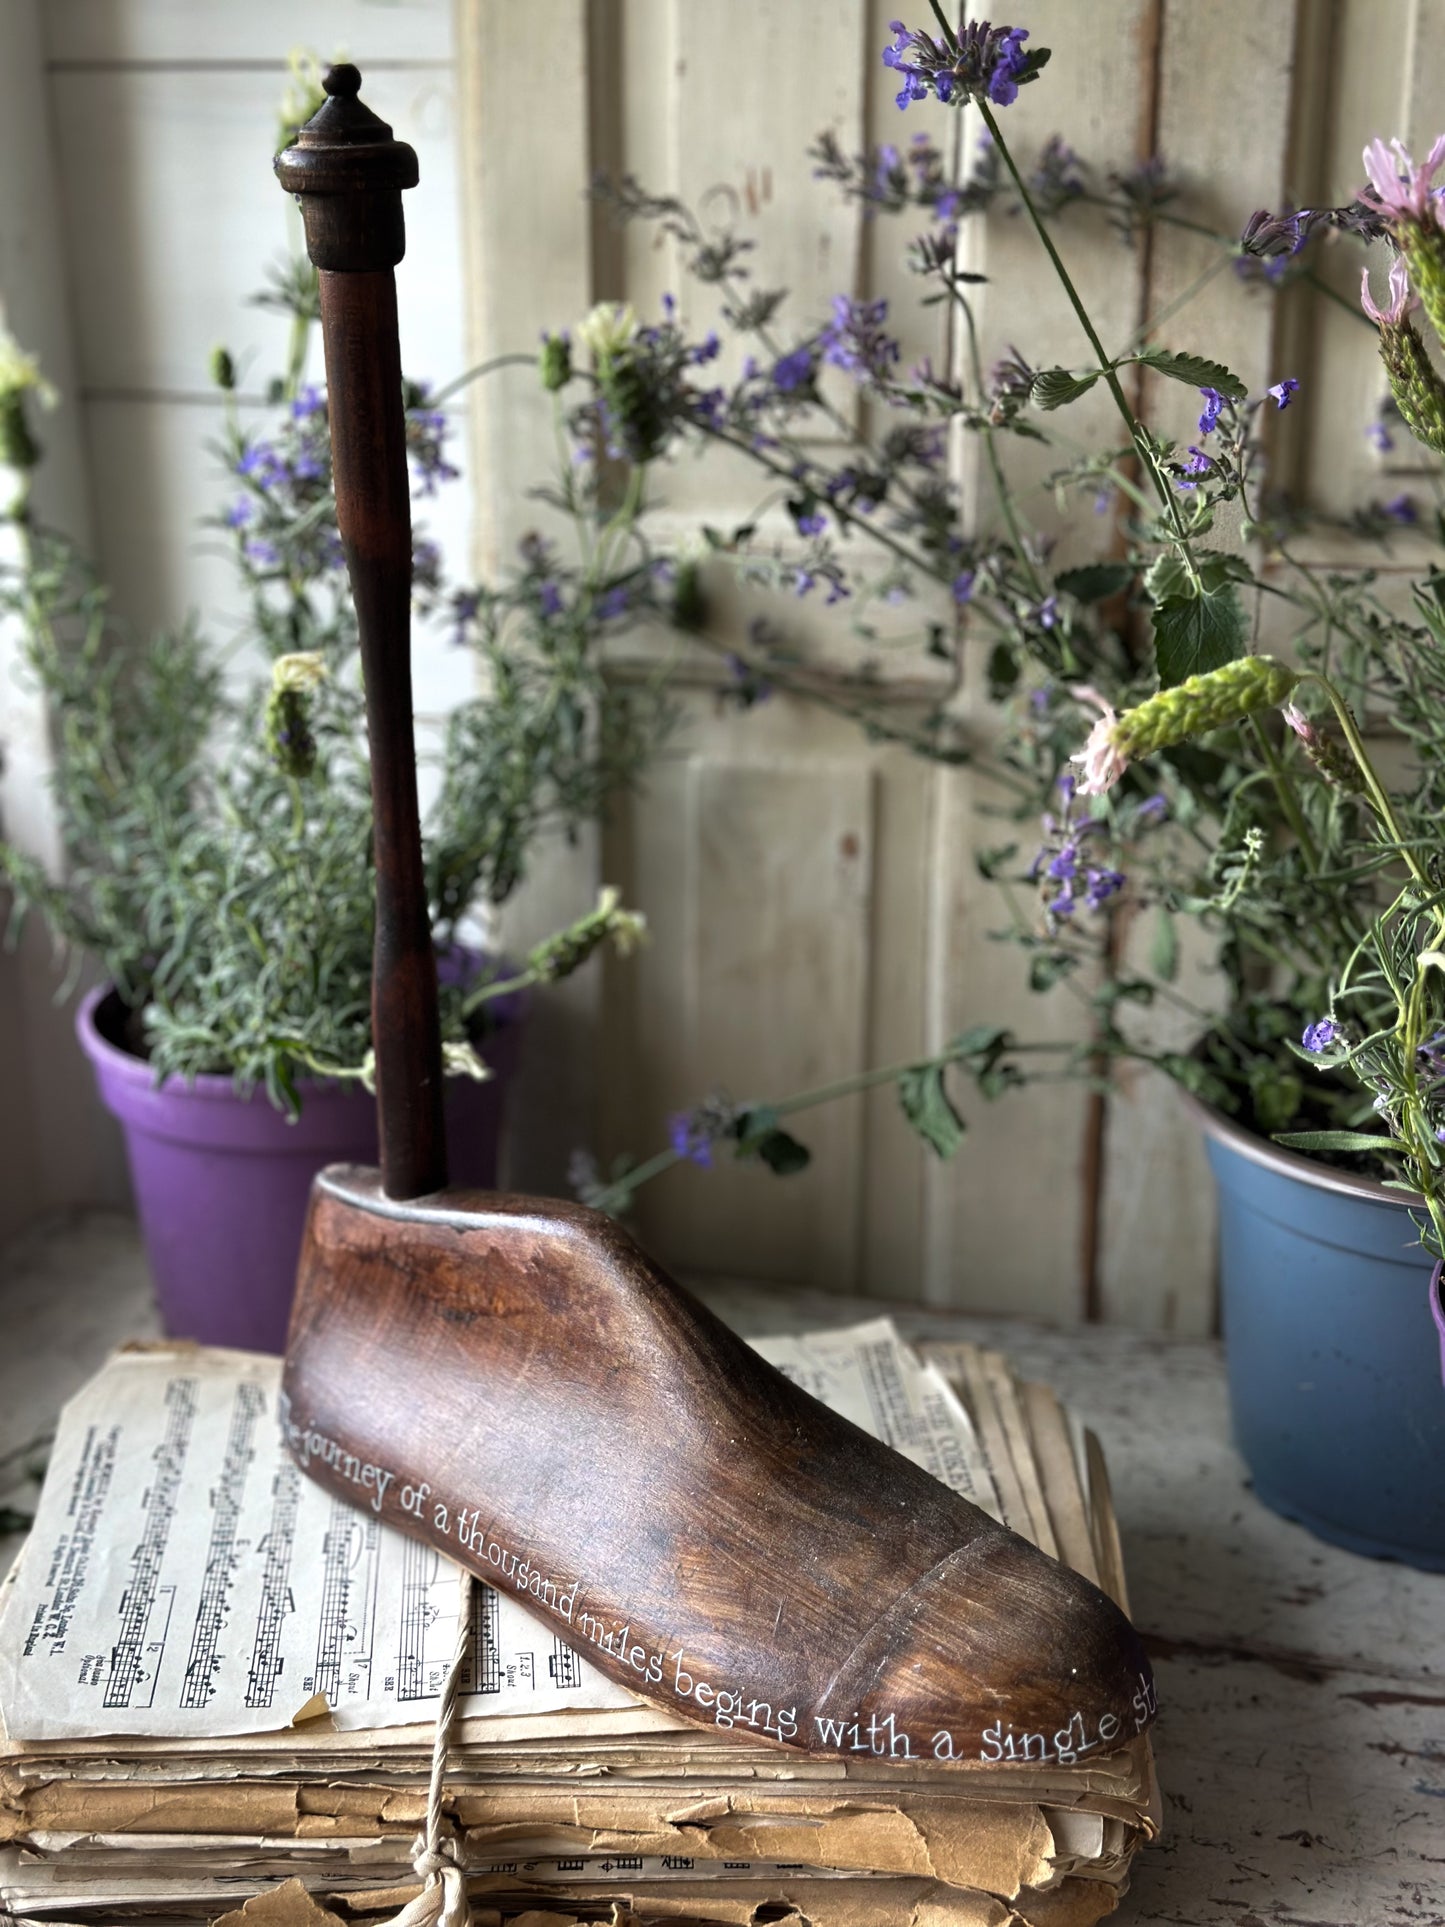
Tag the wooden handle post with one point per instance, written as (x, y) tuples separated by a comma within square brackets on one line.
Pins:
[(347, 173)]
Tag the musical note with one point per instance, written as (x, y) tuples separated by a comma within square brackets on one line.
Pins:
[(142, 1591), (276, 1599), (226, 1500)]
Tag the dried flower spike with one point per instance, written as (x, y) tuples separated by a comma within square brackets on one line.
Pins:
[(1190, 708)]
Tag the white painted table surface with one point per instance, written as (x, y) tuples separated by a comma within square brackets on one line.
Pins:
[(1301, 1738)]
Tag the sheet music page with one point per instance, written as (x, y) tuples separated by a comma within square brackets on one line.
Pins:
[(869, 1375), (183, 1577)]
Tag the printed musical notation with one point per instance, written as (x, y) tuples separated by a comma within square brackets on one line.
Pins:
[(222, 1550), (276, 1601), (347, 1620), (244, 1590), (565, 1666), (423, 1656), (139, 1649), (184, 1577)]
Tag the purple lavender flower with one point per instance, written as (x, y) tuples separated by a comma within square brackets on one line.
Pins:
[(963, 586), (310, 401), (808, 518), (1047, 613), (1402, 509), (464, 606), (427, 429), (1213, 402), (794, 371), (612, 603), (426, 564), (979, 61), (693, 1133), (1153, 809), (1284, 392), (1103, 884), (1319, 1037), (260, 553), (1378, 435), (855, 341), (691, 1137), (1198, 464), (238, 514), (550, 598), (748, 687), (262, 463), (1010, 66)]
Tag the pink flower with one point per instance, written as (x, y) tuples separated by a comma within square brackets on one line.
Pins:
[(1401, 299), (1103, 763), (1401, 188), (1299, 722)]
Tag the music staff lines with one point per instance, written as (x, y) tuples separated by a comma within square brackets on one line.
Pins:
[(348, 1600), (137, 1640), (226, 1501), (267, 1659)]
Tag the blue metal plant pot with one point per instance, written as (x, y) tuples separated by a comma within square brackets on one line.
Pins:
[(1334, 1359)]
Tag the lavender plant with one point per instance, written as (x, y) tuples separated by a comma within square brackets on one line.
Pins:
[(1217, 787), (218, 842)]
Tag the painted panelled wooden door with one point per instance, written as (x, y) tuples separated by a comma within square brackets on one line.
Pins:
[(814, 899)]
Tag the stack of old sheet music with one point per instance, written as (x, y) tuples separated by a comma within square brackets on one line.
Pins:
[(217, 1683)]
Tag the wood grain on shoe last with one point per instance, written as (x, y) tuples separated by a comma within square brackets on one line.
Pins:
[(514, 1382)]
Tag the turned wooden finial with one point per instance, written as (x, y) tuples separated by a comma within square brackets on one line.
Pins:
[(348, 174)]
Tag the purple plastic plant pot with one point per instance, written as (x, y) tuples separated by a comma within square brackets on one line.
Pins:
[(1437, 1311), (222, 1182)]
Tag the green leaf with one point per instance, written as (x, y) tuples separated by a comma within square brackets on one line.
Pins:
[(1335, 1141), (1196, 1078), (1196, 633), (989, 862), (1003, 671), (979, 1040), (1095, 580), (750, 1127), (783, 1154), (1195, 371), (1164, 949), (929, 1109), (1276, 1095), (1048, 967), (1168, 576), (1056, 386)]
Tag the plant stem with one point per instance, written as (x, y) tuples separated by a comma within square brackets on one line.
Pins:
[(469, 375), (1001, 488), (1378, 795), (825, 1094), (1137, 436), (942, 18)]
